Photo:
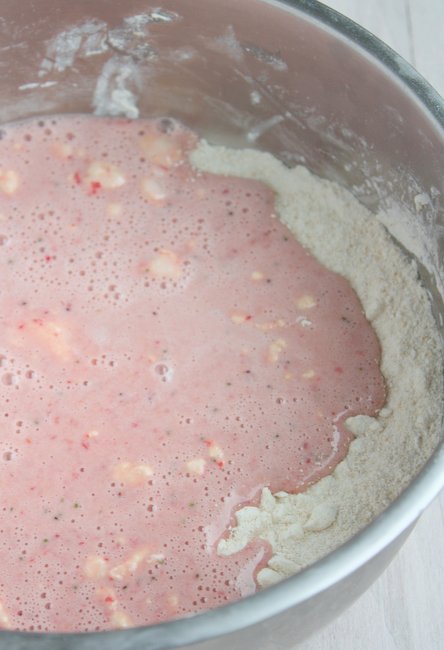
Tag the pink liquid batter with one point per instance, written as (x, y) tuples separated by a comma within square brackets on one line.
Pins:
[(167, 349)]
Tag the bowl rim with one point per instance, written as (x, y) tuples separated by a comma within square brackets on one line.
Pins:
[(385, 528)]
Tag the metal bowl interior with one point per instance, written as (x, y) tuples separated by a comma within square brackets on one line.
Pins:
[(311, 87)]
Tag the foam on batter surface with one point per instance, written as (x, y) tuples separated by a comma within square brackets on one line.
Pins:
[(181, 377)]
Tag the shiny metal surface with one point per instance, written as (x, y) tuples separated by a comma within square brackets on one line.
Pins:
[(331, 96)]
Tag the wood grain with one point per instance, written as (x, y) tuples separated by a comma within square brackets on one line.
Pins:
[(403, 610)]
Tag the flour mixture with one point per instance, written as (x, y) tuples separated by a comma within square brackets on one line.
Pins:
[(214, 370)]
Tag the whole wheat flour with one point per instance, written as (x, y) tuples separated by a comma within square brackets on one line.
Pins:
[(387, 451)]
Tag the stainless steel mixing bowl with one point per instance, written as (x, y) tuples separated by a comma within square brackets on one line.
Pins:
[(305, 83)]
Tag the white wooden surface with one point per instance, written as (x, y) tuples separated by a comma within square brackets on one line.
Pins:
[(404, 609)]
